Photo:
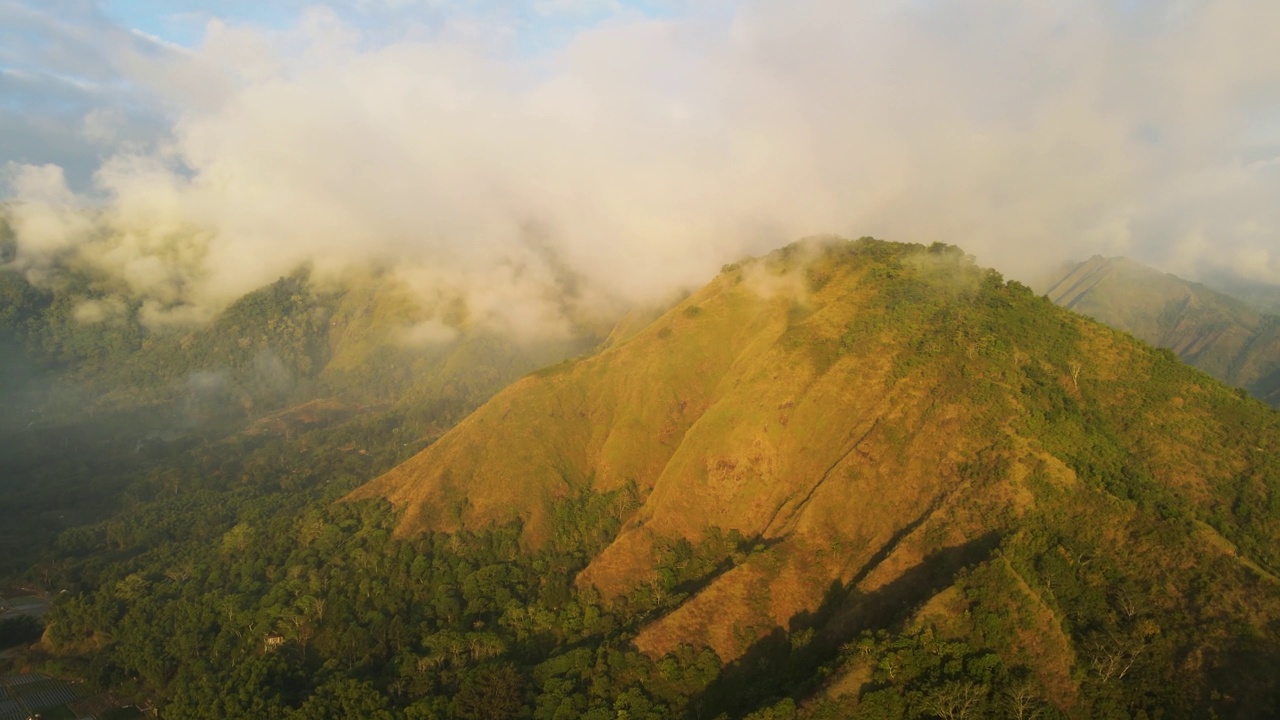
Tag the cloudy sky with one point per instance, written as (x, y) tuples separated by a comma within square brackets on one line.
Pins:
[(636, 144)]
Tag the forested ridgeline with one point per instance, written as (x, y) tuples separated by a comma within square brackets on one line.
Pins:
[(102, 407), (1106, 550), (1234, 337), (292, 605)]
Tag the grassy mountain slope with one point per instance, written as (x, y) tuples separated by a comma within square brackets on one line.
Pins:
[(1219, 334), (820, 441)]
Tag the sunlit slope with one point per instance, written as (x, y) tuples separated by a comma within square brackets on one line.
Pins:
[(855, 411), (1215, 332)]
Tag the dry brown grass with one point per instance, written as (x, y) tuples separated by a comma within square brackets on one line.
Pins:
[(742, 410)]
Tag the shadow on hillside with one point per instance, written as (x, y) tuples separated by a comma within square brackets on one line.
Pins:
[(692, 587), (784, 663), (1245, 683), (747, 546)]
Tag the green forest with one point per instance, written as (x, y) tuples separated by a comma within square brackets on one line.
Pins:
[(184, 496)]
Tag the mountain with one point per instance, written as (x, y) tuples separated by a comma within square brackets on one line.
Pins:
[(851, 479), (857, 471), (1264, 297), (1226, 337), (96, 402)]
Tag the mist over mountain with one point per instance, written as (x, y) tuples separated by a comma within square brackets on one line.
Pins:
[(1224, 336), (449, 361), (841, 427), (846, 479), (1264, 297), (97, 404), (640, 151)]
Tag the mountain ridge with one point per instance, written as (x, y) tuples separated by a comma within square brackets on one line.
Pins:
[(876, 410), (1225, 336), (847, 479), (90, 403)]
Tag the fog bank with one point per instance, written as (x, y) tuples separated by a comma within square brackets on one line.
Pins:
[(642, 153)]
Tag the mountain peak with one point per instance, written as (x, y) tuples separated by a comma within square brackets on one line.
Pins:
[(829, 415)]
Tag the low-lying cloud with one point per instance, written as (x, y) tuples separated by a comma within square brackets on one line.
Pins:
[(645, 153)]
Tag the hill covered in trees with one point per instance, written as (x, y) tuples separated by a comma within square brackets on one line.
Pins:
[(848, 479), (99, 403), (1232, 339), (844, 429)]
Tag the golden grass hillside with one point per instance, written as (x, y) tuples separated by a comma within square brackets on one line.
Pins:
[(871, 417)]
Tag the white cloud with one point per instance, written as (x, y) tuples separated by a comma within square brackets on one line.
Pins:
[(102, 125), (645, 153), (428, 333), (48, 222), (91, 312), (577, 7)]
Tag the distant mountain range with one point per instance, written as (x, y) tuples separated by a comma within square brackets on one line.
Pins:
[(1226, 337)]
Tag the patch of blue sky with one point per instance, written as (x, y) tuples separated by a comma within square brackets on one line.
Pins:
[(538, 26), (183, 22)]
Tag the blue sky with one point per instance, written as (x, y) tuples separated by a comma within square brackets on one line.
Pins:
[(183, 23), (541, 21), (61, 60)]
